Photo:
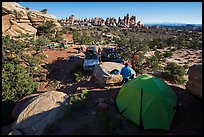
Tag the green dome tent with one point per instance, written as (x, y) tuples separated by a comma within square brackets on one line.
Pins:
[(147, 101)]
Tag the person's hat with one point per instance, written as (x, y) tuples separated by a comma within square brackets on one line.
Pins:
[(127, 64)]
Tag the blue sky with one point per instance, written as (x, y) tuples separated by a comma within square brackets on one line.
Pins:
[(146, 12)]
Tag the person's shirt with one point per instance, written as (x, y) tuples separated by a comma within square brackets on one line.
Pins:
[(126, 72)]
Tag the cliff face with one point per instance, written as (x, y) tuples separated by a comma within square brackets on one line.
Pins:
[(17, 20)]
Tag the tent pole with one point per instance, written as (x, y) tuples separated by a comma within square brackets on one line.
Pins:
[(141, 95)]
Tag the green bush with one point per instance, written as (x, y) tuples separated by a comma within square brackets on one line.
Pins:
[(194, 44), (82, 37), (78, 76), (16, 82), (20, 68), (44, 11), (168, 54), (186, 67), (46, 29), (77, 101), (158, 54), (66, 30), (40, 42), (158, 43), (179, 42), (153, 63), (133, 46), (175, 72), (58, 37)]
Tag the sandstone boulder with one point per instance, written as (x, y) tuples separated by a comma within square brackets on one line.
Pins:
[(17, 29), (194, 84), (21, 104), (17, 20), (38, 18), (42, 111), (102, 72), (13, 8), (6, 23)]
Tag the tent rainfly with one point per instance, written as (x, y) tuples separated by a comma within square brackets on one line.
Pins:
[(148, 102)]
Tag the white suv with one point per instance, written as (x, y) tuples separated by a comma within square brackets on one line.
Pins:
[(91, 59)]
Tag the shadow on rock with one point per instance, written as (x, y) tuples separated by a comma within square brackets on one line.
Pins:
[(62, 69)]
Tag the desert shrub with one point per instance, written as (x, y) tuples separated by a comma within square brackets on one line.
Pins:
[(40, 42), (85, 39), (158, 43), (58, 38), (186, 67), (78, 76), (97, 38), (125, 32), (66, 30), (19, 68), (16, 82), (168, 54), (194, 44), (169, 41), (153, 63), (158, 54), (75, 36), (175, 72), (133, 47), (77, 101), (78, 97), (179, 42), (44, 11), (47, 29), (82, 37)]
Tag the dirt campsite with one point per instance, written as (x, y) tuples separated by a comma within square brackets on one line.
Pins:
[(187, 118), (90, 117)]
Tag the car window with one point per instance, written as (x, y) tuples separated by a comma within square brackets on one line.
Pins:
[(91, 56), (112, 55), (91, 50)]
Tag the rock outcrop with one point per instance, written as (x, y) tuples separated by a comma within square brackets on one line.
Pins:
[(23, 103), (38, 114), (194, 84), (102, 73), (17, 20), (37, 19)]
